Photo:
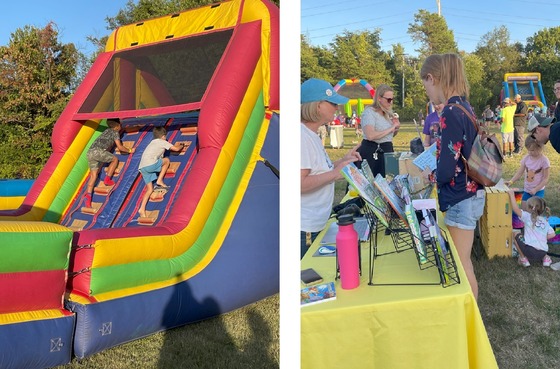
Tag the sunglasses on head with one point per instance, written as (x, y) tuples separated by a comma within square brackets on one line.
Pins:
[(389, 100), (333, 104)]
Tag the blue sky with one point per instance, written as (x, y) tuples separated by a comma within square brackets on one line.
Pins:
[(469, 20), (75, 19)]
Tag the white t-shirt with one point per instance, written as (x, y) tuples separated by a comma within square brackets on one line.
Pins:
[(379, 122), (316, 206), (536, 235), (153, 152)]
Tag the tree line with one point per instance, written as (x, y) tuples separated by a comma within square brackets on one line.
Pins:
[(38, 76), (359, 55)]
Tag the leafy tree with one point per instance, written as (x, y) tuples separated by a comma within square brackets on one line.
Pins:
[(432, 32), (498, 56), (479, 92), (316, 62), (543, 55), (36, 74), (36, 71), (359, 55)]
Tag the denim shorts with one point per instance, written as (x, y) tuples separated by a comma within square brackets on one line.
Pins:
[(149, 172), (526, 195), (466, 213)]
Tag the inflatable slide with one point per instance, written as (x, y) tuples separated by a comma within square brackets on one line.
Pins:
[(528, 85), (75, 280), (355, 105)]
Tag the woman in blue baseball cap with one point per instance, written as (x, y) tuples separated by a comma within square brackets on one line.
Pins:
[(319, 102)]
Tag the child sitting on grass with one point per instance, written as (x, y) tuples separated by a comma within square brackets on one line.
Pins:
[(99, 153), (533, 244), (152, 162)]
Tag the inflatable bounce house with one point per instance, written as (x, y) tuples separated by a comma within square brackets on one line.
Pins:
[(528, 85), (75, 280), (355, 105)]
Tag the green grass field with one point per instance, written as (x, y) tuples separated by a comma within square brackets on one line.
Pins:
[(520, 306)]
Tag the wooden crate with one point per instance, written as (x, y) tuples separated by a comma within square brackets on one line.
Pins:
[(497, 241), (495, 224)]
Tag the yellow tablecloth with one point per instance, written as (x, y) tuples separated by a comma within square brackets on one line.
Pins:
[(392, 327)]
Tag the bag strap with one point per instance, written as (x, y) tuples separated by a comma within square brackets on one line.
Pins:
[(468, 114)]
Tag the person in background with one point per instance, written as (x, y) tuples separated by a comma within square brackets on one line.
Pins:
[(507, 127), (487, 116), (99, 153), (459, 197), (535, 167), (519, 123), (533, 243), (556, 90), (498, 114), (432, 126), (379, 125), (544, 129), (319, 101), (421, 118)]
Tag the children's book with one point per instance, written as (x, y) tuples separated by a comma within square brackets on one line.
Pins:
[(438, 245), (357, 180), (373, 198), (317, 294), (427, 159), (366, 170), (390, 196), (415, 230)]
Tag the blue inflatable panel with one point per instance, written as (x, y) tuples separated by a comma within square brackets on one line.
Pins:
[(36, 344), (15, 187)]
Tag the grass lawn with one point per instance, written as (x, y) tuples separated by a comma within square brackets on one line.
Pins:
[(520, 306), (245, 338)]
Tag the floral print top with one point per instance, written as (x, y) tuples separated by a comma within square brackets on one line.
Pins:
[(457, 133)]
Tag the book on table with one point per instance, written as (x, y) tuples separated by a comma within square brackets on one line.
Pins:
[(317, 294), (367, 190)]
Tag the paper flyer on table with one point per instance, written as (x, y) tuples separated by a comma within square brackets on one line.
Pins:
[(427, 159)]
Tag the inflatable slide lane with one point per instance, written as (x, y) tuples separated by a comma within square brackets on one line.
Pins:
[(528, 86), (77, 279)]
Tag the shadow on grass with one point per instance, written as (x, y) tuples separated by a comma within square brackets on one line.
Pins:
[(241, 342)]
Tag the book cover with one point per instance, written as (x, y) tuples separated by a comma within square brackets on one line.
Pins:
[(318, 294), (441, 260), (427, 159), (366, 170), (357, 180), (390, 196), (416, 233)]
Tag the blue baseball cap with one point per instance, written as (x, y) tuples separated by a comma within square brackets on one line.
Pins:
[(318, 90)]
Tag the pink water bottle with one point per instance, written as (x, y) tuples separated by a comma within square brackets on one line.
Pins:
[(347, 252)]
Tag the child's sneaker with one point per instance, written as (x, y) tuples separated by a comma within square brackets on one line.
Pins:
[(87, 197), (108, 181), (546, 261), (523, 261)]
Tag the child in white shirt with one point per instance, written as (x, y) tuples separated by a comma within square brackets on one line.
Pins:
[(152, 162)]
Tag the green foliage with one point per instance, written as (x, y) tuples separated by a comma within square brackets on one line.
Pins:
[(499, 56), (543, 55), (359, 55), (432, 32), (315, 62), (23, 152), (36, 74)]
